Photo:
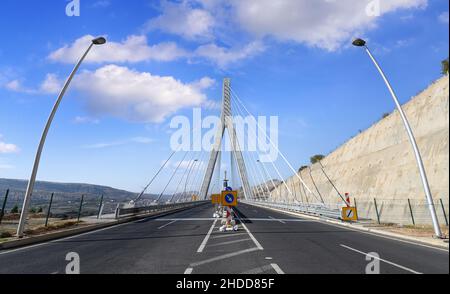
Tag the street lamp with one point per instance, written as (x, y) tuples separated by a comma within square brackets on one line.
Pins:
[(423, 175), (26, 201)]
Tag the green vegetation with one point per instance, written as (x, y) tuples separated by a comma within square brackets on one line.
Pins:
[(445, 67), (5, 235), (302, 168), (15, 209), (316, 158), (385, 115)]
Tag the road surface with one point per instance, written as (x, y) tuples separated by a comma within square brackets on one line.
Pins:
[(189, 242)]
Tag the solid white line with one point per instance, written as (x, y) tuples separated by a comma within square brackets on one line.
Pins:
[(203, 245), (277, 269), (383, 260), (188, 271), (278, 220), (168, 224), (229, 242), (184, 219), (324, 222), (250, 234), (66, 238), (228, 235), (225, 256)]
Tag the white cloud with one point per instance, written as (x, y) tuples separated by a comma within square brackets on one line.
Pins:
[(183, 20), (7, 147), (136, 140), (136, 96), (14, 85), (6, 166), (443, 17), (326, 24), (223, 57), (86, 120), (133, 49), (51, 84)]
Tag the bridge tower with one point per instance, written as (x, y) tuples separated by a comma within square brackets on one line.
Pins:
[(226, 122)]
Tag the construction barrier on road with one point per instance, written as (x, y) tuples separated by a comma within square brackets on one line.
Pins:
[(229, 198), (216, 199)]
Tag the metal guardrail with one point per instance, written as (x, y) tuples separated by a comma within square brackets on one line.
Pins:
[(313, 209), (123, 211)]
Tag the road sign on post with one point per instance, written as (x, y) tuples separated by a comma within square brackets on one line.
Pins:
[(215, 199), (349, 214), (229, 198)]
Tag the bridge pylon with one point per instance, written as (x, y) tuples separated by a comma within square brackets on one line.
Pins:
[(226, 122)]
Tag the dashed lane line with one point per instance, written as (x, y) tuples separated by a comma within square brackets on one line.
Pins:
[(383, 260)]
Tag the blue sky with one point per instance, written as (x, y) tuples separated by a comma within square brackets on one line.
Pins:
[(290, 59)]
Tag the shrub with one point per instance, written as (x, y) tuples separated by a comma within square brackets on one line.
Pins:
[(15, 209), (316, 158), (5, 235), (445, 67)]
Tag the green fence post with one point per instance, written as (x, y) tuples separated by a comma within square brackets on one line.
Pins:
[(49, 209), (410, 210), (81, 207), (376, 210), (2, 213), (100, 207), (443, 211)]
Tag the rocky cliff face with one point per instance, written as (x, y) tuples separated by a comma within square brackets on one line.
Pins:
[(379, 163)]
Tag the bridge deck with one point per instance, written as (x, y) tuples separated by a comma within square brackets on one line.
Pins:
[(189, 242)]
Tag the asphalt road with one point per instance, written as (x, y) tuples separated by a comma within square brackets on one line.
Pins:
[(189, 242)]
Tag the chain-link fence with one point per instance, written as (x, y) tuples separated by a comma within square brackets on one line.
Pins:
[(47, 209), (402, 211)]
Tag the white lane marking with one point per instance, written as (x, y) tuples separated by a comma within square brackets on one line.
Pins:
[(258, 270), (184, 219), (188, 271), (168, 224), (227, 235), (229, 242), (250, 234), (278, 220), (225, 256), (270, 219), (383, 260), (350, 229), (203, 245), (76, 236), (66, 238), (277, 269)]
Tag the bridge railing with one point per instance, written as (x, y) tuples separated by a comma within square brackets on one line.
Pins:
[(123, 211), (313, 209)]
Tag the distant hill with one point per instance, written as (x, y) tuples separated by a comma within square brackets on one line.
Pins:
[(70, 192), (66, 188)]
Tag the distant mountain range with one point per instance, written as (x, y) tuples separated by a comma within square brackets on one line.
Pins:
[(66, 191)]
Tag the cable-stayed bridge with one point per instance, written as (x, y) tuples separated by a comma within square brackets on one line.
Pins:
[(281, 228)]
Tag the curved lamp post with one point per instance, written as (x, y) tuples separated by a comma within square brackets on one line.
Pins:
[(26, 201), (423, 175)]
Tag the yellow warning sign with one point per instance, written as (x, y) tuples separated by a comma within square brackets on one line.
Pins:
[(349, 214), (229, 198), (216, 199)]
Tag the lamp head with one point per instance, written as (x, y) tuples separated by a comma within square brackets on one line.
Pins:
[(99, 41), (359, 42)]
